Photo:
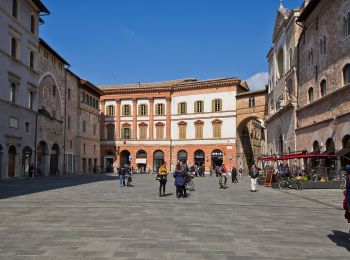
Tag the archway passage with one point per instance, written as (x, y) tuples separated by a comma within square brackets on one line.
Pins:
[(158, 159), (109, 160), (26, 159), (54, 160), (315, 163), (11, 161), (42, 152), (217, 158), (182, 156), (141, 160), (345, 152), (329, 163), (124, 158), (199, 158)]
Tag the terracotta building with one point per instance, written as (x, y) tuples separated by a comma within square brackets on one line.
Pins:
[(323, 112), (282, 86), (188, 120)]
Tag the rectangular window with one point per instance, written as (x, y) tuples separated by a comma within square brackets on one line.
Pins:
[(84, 148), (199, 106), (217, 130), (182, 132), (143, 133), (84, 126), (31, 100), (13, 90), (94, 149), (110, 111), (199, 131), (126, 110), (54, 114), (159, 132), (160, 109), (68, 123), (143, 110), (94, 129), (217, 105), (13, 122), (68, 94), (126, 133), (27, 127), (110, 132), (182, 108)]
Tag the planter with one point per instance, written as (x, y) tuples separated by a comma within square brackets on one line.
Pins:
[(311, 184)]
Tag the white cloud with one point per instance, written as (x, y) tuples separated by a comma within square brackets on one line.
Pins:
[(258, 81)]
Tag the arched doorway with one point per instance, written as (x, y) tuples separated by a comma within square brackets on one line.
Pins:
[(182, 156), (345, 158), (280, 145), (316, 149), (216, 158), (199, 158), (124, 158), (1, 152), (11, 161), (42, 153), (55, 151), (328, 162), (141, 160), (109, 161), (26, 159), (158, 159)]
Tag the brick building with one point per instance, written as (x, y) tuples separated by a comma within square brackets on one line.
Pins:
[(187, 120), (323, 112), (282, 87)]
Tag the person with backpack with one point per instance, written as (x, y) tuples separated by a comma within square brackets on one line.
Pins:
[(234, 175), (223, 173), (122, 174), (162, 177), (179, 176), (254, 174)]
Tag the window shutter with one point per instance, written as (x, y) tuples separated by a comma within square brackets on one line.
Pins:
[(196, 107), (185, 108), (178, 108), (146, 110), (139, 110), (123, 110), (213, 105)]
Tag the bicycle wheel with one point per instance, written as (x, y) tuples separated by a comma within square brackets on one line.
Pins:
[(283, 184), (342, 184), (190, 185)]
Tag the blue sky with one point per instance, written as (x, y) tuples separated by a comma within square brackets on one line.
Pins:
[(127, 41)]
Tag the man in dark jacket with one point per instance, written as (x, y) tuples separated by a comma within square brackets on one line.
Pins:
[(234, 175), (254, 174)]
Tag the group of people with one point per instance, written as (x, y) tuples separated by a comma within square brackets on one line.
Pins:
[(181, 174), (125, 175)]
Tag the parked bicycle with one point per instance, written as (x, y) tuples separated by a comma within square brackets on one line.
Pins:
[(189, 182), (294, 183), (342, 180)]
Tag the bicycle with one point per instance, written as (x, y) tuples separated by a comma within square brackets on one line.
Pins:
[(190, 183), (342, 177), (294, 183), (222, 182)]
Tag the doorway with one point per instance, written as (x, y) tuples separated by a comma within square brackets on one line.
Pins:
[(158, 159), (12, 161), (124, 158), (216, 159), (54, 160), (182, 156), (199, 158), (26, 160)]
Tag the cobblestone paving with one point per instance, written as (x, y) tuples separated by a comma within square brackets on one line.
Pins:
[(91, 217)]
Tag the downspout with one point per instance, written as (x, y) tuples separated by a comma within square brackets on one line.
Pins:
[(65, 121)]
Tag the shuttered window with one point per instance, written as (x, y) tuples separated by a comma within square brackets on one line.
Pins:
[(159, 132), (216, 130), (143, 132), (182, 108), (126, 111), (126, 133), (199, 106), (198, 131), (182, 132), (143, 110), (159, 109), (217, 105), (110, 132), (110, 111)]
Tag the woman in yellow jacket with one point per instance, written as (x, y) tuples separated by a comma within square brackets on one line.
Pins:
[(162, 177)]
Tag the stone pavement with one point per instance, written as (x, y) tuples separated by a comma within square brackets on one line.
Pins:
[(91, 217)]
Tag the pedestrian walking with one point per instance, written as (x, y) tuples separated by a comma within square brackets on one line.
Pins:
[(31, 171), (234, 175), (128, 177), (179, 176), (240, 171), (346, 202), (254, 174), (162, 177), (200, 171), (122, 173), (223, 173)]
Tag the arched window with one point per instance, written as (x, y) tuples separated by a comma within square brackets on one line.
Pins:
[(346, 25), (143, 131), (31, 60), (252, 101), (310, 94), (217, 128), (53, 90), (13, 47), (182, 130), (198, 125), (160, 131), (13, 88), (346, 74), (323, 88), (32, 23), (126, 131), (31, 100), (15, 8)]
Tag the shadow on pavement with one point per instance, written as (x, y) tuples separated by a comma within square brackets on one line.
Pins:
[(340, 238), (19, 187)]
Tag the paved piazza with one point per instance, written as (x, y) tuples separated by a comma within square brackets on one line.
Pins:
[(91, 217)]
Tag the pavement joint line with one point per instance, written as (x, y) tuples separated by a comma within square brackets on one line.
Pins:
[(312, 200)]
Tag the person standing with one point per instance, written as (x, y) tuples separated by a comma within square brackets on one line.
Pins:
[(31, 170), (179, 176), (254, 174), (122, 173), (240, 171), (223, 172), (162, 177), (234, 175)]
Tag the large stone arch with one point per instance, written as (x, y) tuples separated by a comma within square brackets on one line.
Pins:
[(61, 95)]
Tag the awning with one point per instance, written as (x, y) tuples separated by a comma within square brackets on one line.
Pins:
[(141, 160), (342, 152), (304, 155), (267, 159)]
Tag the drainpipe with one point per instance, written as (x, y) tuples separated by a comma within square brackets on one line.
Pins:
[(65, 121)]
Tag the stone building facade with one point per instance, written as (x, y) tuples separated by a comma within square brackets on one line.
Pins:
[(187, 120), (19, 54), (282, 86), (323, 112)]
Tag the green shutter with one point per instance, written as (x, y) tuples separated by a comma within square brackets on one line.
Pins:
[(185, 108), (178, 108), (213, 105), (146, 110), (139, 110)]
